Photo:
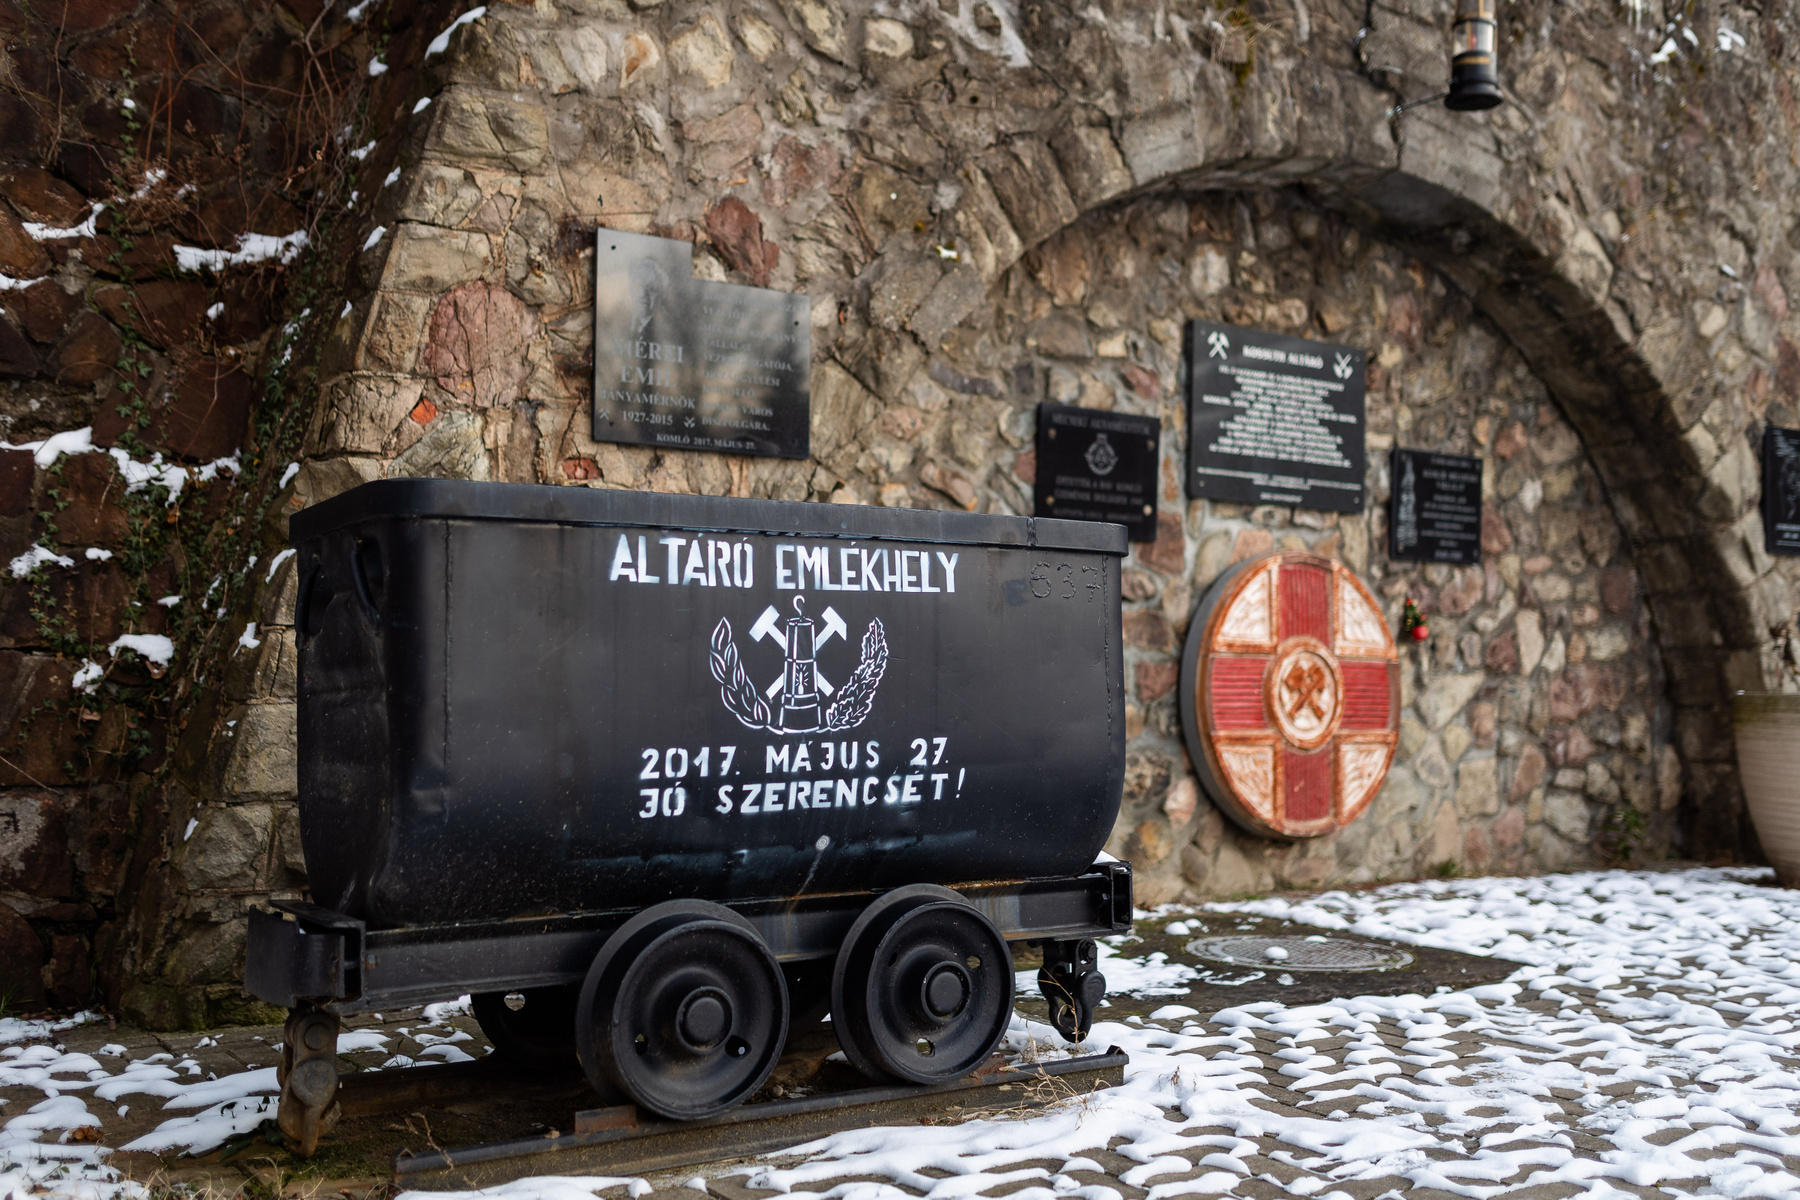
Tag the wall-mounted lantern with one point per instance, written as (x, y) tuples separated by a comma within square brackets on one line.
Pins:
[(1474, 74)]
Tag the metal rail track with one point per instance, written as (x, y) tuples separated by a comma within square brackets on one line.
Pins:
[(619, 1141)]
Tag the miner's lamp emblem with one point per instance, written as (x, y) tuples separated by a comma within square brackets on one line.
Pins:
[(1290, 695)]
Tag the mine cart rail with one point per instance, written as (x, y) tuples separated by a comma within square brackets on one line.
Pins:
[(306, 952), (621, 1140)]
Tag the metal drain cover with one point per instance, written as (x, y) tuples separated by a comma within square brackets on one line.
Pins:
[(1300, 953)]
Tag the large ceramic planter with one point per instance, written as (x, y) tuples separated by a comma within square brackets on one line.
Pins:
[(1768, 746)]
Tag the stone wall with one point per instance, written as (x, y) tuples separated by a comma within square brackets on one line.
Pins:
[(991, 204), (143, 147)]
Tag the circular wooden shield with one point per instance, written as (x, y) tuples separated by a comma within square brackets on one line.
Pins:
[(1290, 695)]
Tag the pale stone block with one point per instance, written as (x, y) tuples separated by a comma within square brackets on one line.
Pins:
[(1443, 841), (453, 448), (821, 24), (1091, 163), (1567, 813), (584, 52), (228, 846), (1478, 787), (437, 194), (262, 751), (1530, 625), (886, 38), (322, 478), (703, 51), (1447, 695), (428, 259), (360, 412), (489, 130)]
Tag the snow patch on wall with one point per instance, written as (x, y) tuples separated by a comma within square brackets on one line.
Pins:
[(441, 42), (251, 248), (152, 646), (36, 557), (46, 233)]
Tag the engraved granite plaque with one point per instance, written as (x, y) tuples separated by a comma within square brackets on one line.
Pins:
[(688, 364), (1434, 507), (1097, 466), (1274, 419), (1781, 490)]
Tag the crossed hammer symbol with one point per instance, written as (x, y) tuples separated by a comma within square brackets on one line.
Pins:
[(1305, 681)]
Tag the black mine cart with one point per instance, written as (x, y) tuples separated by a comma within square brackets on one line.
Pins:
[(655, 777)]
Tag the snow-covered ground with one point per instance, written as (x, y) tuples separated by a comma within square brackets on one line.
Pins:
[(1649, 1048)]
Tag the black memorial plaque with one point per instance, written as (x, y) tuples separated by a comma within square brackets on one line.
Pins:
[(1434, 507), (1098, 466), (695, 365), (1781, 490), (1274, 419)]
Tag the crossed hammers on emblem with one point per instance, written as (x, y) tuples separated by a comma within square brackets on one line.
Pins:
[(1305, 681)]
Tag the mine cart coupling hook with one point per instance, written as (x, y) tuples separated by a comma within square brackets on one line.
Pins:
[(308, 1075), (1072, 986)]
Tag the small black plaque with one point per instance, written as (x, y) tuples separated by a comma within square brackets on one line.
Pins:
[(1781, 490), (1098, 466), (691, 364), (1274, 419), (1434, 507)]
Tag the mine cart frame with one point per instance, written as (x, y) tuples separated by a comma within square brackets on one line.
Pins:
[(323, 965)]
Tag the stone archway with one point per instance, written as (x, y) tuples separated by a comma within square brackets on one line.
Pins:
[(1564, 251)]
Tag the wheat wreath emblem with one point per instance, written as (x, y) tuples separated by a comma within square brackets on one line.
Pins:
[(848, 709)]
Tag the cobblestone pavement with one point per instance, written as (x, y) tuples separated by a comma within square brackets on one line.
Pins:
[(1647, 1048)]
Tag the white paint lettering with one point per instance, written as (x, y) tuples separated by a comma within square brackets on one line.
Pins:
[(622, 567), (696, 565), (949, 563), (871, 579)]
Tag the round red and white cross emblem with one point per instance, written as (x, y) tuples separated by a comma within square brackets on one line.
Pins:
[(1290, 695)]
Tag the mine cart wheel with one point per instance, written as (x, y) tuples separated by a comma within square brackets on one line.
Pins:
[(308, 1076), (684, 1010), (923, 987), (534, 1028)]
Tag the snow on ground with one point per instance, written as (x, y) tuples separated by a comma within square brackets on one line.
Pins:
[(15, 1029), (1648, 1048)]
